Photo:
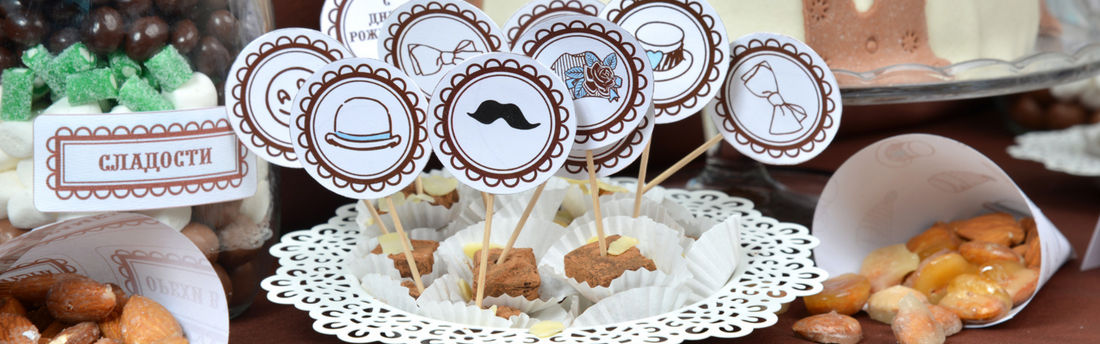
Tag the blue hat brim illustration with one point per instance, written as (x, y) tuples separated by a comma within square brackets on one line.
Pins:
[(362, 143), (677, 70)]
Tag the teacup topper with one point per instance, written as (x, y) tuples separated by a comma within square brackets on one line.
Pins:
[(357, 23), (685, 42), (262, 84), (604, 69), (780, 103), (359, 126), (537, 11), (502, 123), (426, 38), (613, 158)]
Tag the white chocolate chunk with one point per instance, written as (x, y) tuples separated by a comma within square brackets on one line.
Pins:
[(467, 292), (62, 107), (22, 213), (197, 93), (619, 246), (17, 138), (257, 206), (472, 248), (176, 218), (391, 243), (25, 170), (439, 185), (547, 329)]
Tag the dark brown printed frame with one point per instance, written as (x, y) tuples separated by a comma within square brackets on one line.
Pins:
[(525, 20), (397, 29)]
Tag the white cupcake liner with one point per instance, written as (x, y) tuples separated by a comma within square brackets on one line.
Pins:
[(412, 215), (653, 240), (462, 314), (625, 207), (714, 258), (361, 263), (390, 291), (577, 203), (639, 303), (521, 303), (444, 288), (505, 206), (554, 312)]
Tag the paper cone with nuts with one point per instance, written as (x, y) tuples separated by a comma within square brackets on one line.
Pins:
[(906, 190), (163, 286)]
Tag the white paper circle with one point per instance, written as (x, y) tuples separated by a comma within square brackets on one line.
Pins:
[(359, 126), (685, 41), (502, 123), (613, 158), (357, 23), (780, 104), (605, 70), (537, 11), (262, 84), (426, 38)]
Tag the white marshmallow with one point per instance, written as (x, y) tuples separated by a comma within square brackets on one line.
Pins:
[(7, 162), (17, 138), (62, 107), (121, 109), (197, 93), (9, 186), (25, 170), (256, 207), (22, 213), (70, 216), (176, 218), (1090, 98), (1070, 91)]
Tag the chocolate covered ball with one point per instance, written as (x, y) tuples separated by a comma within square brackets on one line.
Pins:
[(63, 39), (26, 27), (175, 7), (227, 283), (204, 238), (212, 59), (11, 6), (244, 284), (1027, 112), (103, 30), (241, 240), (134, 8), (222, 25), (64, 13), (146, 37), (7, 59), (8, 232), (185, 36), (1063, 115), (215, 4)]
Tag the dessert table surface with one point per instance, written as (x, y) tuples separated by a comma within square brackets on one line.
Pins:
[(1063, 311)]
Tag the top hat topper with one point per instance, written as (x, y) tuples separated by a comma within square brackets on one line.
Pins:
[(359, 126)]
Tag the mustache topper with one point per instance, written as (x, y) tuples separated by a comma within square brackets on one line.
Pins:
[(490, 111)]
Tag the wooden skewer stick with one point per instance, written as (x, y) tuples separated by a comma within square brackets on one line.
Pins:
[(683, 162), (405, 245), (641, 180), (594, 189), (484, 247), (377, 218), (419, 185), (522, 221)]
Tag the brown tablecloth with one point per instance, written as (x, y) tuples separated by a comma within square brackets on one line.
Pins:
[(1064, 310)]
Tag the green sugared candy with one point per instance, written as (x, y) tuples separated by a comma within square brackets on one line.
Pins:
[(138, 96), (74, 59), (148, 77), (169, 68), (91, 86), (38, 60), (18, 87), (123, 66)]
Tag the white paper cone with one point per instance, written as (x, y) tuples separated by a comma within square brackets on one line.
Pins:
[(444, 288), (714, 258), (537, 235), (462, 314), (361, 263), (653, 240), (390, 291), (639, 303), (898, 187)]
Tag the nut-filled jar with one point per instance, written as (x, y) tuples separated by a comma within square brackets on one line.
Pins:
[(118, 59)]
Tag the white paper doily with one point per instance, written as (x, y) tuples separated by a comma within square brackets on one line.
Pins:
[(775, 268), (1061, 150)]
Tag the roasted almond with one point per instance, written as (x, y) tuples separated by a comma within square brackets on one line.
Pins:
[(145, 321), (111, 326), (34, 289), (82, 333), (10, 305), (78, 300), (52, 330), (15, 329), (106, 340), (41, 318), (999, 228), (172, 340)]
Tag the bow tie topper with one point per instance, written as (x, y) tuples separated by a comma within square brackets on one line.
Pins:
[(427, 60), (780, 103)]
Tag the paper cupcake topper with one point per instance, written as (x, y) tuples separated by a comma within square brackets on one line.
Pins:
[(359, 126), (426, 38), (537, 11), (685, 42), (604, 69), (502, 123), (612, 158), (780, 103), (357, 23), (262, 84)]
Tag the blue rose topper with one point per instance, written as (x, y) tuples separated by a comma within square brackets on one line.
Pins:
[(588, 76)]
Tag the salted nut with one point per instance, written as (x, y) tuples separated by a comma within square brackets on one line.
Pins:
[(915, 324), (844, 294), (998, 228), (145, 321), (16, 329), (888, 266), (80, 299), (829, 328)]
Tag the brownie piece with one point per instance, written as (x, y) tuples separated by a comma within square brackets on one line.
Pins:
[(518, 276), (412, 288), (507, 312), (423, 255), (586, 265)]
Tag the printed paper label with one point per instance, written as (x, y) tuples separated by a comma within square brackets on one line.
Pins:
[(119, 162), (537, 11), (357, 23)]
